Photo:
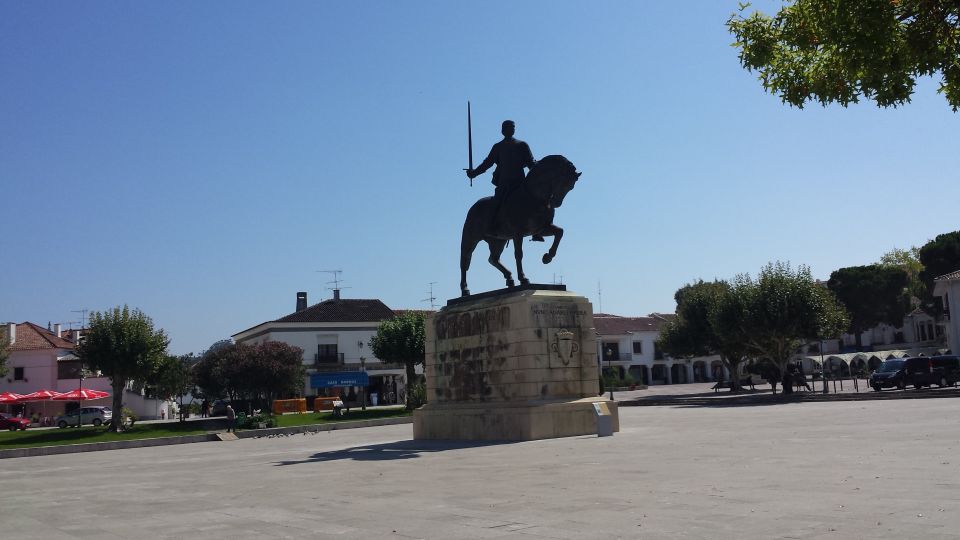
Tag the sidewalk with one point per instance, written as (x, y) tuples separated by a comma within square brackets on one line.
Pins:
[(704, 394)]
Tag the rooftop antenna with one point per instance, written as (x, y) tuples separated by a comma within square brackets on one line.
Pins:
[(336, 282), (432, 298), (555, 282), (83, 316), (599, 297)]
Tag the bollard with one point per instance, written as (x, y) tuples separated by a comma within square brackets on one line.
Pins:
[(604, 420)]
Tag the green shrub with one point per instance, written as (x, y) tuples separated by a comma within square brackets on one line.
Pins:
[(253, 421), (416, 396)]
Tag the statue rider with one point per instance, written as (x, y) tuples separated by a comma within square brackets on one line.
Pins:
[(511, 156)]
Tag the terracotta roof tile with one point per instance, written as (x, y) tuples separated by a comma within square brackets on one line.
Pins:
[(949, 277), (424, 312), (612, 325), (31, 337), (349, 310)]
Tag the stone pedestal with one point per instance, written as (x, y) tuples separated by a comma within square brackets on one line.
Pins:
[(511, 365)]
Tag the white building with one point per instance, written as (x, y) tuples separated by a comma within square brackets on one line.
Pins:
[(947, 287), (335, 336), (42, 359), (628, 345)]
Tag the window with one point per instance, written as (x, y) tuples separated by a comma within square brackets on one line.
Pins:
[(637, 347), (327, 354), (611, 352), (18, 374), (69, 369), (657, 353)]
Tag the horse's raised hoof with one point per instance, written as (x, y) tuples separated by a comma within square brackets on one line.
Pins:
[(547, 258), (510, 283)]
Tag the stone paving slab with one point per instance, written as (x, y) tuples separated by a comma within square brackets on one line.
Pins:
[(835, 470)]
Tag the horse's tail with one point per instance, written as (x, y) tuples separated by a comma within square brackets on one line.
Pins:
[(473, 231)]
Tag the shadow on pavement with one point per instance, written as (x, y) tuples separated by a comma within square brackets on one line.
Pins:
[(391, 451)]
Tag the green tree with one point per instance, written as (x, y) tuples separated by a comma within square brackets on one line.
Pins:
[(837, 51), (279, 371), (258, 373), (782, 309), (173, 379), (907, 260), (872, 294), (401, 340), (939, 256), (4, 354), (701, 327), (125, 347)]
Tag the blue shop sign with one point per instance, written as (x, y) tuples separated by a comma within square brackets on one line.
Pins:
[(339, 378)]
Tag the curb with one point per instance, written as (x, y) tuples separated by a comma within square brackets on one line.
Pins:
[(112, 445), (203, 437), (317, 428), (803, 397)]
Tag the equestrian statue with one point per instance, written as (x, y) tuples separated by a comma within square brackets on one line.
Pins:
[(522, 205)]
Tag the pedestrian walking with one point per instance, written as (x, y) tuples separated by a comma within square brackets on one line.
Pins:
[(231, 419)]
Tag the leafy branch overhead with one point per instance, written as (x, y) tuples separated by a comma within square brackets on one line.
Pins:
[(838, 51)]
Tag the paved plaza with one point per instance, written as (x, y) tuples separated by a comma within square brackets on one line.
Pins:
[(839, 470)]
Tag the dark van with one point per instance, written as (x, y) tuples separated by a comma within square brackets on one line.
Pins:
[(933, 370), (890, 374)]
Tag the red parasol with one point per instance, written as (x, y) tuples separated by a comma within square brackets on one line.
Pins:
[(10, 397), (40, 395), (80, 394)]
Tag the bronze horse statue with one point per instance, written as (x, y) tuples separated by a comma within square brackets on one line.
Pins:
[(525, 211)]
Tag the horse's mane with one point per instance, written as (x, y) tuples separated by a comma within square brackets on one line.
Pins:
[(551, 165)]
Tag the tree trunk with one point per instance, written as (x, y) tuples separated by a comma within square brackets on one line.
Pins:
[(117, 424), (411, 380)]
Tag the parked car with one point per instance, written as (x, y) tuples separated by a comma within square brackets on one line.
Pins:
[(88, 415), (13, 423), (890, 374), (934, 370)]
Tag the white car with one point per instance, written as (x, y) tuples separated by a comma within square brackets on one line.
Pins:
[(88, 415)]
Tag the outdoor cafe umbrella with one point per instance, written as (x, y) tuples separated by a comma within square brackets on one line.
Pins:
[(39, 395), (9, 397), (80, 394)]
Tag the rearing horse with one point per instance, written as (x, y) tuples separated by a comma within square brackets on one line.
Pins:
[(525, 211)]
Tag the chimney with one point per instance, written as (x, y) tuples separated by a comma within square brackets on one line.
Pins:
[(336, 294), (12, 332), (301, 300), (56, 330)]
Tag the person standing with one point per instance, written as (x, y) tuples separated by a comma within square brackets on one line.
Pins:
[(231, 419), (511, 156)]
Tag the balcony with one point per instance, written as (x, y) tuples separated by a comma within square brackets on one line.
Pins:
[(323, 360)]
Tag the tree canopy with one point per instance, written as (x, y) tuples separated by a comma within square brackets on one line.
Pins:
[(782, 309), (401, 340), (4, 353), (706, 323), (872, 294), (124, 345), (173, 379), (261, 373), (939, 256), (907, 260), (837, 51)]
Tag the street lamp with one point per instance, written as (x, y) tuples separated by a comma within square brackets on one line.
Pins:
[(363, 389), (610, 370), (823, 370)]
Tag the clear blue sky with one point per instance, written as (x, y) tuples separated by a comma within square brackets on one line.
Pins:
[(201, 161)]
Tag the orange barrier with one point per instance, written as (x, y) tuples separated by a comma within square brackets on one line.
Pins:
[(321, 403), (298, 405)]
